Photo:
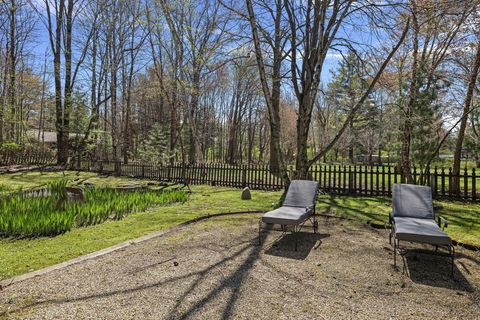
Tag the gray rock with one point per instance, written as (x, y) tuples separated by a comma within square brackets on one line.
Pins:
[(246, 195), (75, 193), (89, 185)]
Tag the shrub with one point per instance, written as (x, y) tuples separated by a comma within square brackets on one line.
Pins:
[(10, 147)]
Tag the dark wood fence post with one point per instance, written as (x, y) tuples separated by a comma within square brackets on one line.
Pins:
[(244, 176), (383, 180), (442, 181), (474, 185), (389, 179), (118, 170), (450, 175), (354, 179)]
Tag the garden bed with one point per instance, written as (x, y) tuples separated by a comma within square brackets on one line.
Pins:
[(58, 208)]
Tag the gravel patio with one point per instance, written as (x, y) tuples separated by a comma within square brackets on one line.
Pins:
[(214, 269)]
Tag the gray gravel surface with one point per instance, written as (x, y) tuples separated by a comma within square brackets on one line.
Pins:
[(215, 270)]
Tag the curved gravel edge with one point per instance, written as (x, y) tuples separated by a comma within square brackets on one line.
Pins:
[(8, 282)]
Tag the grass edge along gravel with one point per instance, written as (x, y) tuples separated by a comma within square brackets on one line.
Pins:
[(26, 255)]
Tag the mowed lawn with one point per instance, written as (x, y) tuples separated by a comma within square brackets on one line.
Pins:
[(21, 256), (10, 182), (463, 218)]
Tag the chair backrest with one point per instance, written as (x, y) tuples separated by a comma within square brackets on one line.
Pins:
[(412, 201), (301, 193)]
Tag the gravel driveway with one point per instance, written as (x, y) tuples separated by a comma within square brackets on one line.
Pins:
[(215, 270)]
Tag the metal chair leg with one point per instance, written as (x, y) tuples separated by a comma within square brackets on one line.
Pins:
[(260, 232), (395, 253), (295, 235), (452, 253)]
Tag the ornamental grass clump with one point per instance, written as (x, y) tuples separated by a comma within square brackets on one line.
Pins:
[(26, 216)]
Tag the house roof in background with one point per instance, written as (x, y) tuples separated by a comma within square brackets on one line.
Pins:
[(46, 136)]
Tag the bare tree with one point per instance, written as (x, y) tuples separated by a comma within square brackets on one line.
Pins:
[(314, 26), (463, 124), (271, 82), (434, 30)]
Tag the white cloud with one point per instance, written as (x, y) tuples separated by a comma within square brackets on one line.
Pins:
[(334, 56)]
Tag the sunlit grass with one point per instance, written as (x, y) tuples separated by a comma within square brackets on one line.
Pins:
[(24, 255), (464, 218), (30, 180), (20, 256)]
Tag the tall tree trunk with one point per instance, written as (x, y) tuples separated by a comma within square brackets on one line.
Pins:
[(93, 125), (350, 143), (41, 121), (113, 106), (192, 150), (68, 104), (463, 125), (3, 101), (56, 40), (12, 71), (272, 96), (233, 123), (276, 155), (412, 96), (303, 126)]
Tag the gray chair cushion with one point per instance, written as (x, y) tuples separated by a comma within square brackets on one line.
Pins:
[(286, 215), (301, 193), (420, 230), (412, 201)]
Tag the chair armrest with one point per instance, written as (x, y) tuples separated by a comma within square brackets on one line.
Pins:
[(310, 208), (441, 219), (390, 218)]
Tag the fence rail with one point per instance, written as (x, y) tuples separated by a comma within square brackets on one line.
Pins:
[(26, 158), (333, 179)]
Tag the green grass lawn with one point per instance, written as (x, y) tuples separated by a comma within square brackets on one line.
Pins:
[(20, 256), (30, 180), (464, 218)]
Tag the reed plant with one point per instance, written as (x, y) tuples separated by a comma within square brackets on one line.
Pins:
[(23, 216)]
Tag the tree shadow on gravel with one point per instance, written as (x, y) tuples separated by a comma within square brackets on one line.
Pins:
[(232, 283), (434, 269), (284, 246)]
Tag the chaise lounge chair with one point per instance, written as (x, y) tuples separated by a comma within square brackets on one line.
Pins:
[(297, 208), (413, 219)]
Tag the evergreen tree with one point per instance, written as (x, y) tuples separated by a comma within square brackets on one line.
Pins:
[(155, 148), (347, 86)]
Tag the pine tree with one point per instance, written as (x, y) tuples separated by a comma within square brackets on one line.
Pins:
[(347, 86), (155, 148)]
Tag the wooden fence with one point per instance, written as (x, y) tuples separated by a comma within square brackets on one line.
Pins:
[(26, 158), (333, 179)]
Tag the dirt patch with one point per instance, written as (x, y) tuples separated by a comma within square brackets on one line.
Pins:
[(215, 270)]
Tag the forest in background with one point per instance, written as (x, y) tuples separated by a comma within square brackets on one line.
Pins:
[(275, 82)]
